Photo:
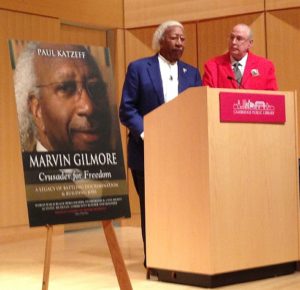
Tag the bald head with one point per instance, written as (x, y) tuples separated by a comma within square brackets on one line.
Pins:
[(240, 41)]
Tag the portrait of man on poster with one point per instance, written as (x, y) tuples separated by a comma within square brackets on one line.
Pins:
[(69, 132), (62, 99)]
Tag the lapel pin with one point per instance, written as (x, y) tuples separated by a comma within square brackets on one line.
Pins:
[(184, 70), (254, 72)]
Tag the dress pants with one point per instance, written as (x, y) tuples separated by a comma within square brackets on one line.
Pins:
[(139, 183)]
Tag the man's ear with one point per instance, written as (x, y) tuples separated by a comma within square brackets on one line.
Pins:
[(251, 43), (34, 107)]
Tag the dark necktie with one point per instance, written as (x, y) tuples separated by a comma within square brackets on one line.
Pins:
[(237, 73)]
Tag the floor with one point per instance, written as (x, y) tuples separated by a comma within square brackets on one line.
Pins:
[(80, 260)]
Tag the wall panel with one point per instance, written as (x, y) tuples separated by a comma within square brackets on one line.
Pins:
[(139, 43), (12, 191), (106, 14), (213, 35), (116, 43), (281, 4), (152, 12), (283, 47), (80, 35)]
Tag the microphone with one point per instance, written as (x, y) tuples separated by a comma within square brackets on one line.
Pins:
[(233, 79)]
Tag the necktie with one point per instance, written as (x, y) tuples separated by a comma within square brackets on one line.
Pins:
[(237, 72)]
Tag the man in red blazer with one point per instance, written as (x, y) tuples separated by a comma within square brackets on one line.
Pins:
[(257, 72)]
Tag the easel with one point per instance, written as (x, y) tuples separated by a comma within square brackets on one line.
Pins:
[(115, 252)]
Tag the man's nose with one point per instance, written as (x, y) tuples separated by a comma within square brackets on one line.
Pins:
[(234, 40), (179, 41), (85, 103)]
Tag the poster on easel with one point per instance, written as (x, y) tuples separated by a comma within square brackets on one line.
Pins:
[(69, 133)]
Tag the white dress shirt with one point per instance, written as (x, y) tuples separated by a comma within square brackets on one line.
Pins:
[(242, 63), (40, 147), (169, 76)]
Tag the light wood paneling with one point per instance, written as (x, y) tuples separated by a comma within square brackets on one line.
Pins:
[(213, 35), (190, 52), (74, 34), (138, 43), (12, 191), (151, 12), (283, 34), (281, 4), (116, 44), (93, 13)]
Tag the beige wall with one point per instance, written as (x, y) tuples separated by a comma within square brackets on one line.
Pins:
[(276, 34), (12, 191), (213, 35), (89, 13), (152, 12), (281, 4), (283, 46)]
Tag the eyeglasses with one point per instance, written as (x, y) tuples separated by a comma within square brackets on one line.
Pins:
[(239, 39), (72, 88)]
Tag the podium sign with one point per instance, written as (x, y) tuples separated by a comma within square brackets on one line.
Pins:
[(252, 108)]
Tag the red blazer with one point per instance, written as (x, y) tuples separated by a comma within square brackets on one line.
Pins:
[(259, 73)]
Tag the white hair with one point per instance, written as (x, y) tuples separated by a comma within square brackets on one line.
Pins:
[(159, 32), (25, 85)]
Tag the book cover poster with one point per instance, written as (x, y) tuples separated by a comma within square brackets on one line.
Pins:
[(69, 133)]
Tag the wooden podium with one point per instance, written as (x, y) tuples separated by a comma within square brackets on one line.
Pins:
[(221, 198)]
